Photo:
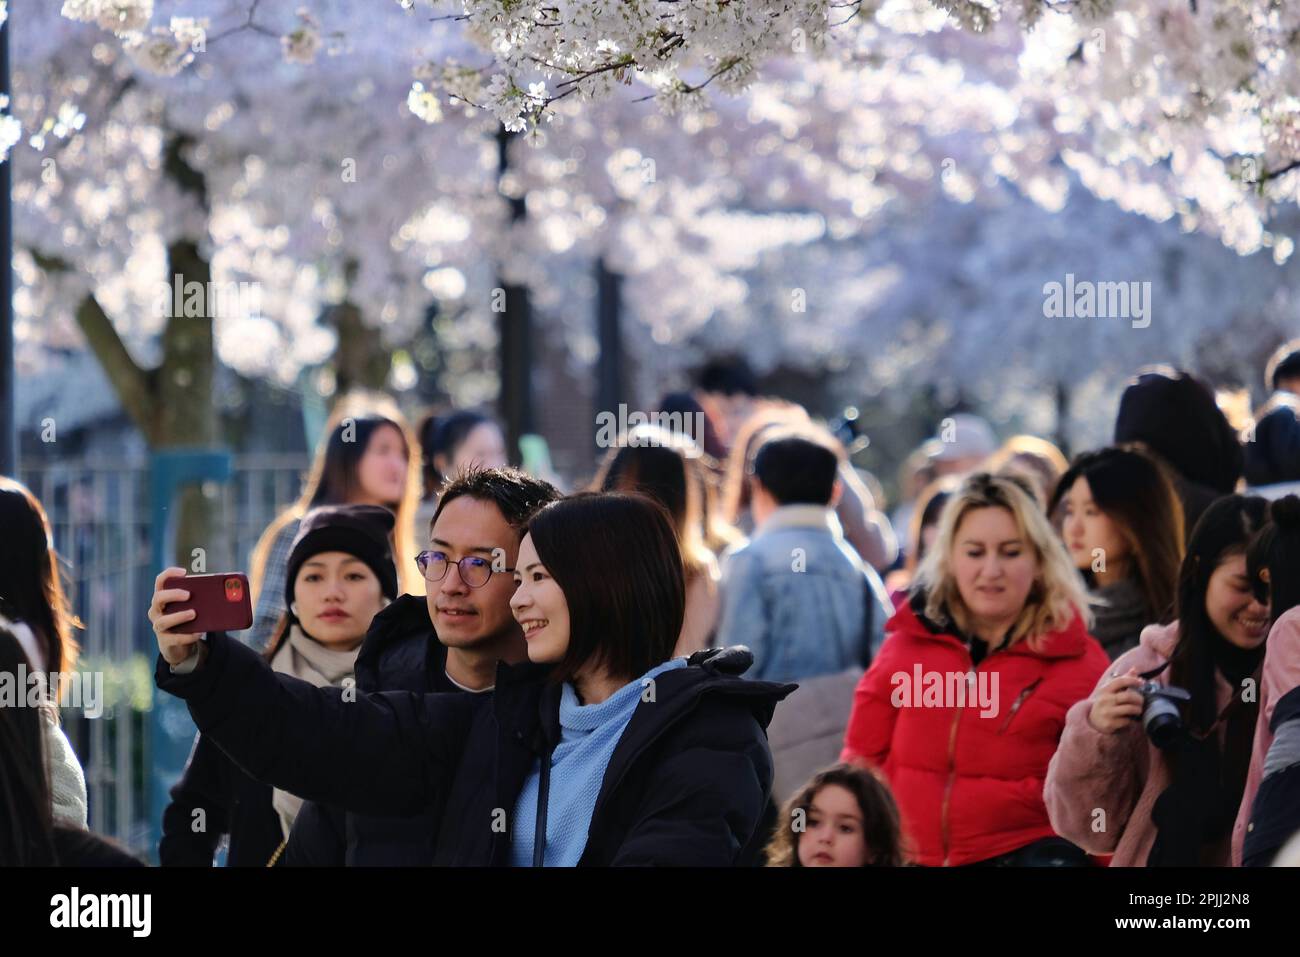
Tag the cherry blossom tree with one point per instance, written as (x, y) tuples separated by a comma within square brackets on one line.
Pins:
[(159, 170), (1169, 108), (804, 131)]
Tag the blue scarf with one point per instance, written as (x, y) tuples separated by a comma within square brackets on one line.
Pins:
[(588, 736)]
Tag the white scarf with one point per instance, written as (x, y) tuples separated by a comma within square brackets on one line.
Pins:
[(304, 657)]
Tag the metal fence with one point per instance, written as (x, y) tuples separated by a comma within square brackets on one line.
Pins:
[(100, 517)]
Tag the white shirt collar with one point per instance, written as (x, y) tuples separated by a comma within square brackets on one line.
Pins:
[(463, 688)]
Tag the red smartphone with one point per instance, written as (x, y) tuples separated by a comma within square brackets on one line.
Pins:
[(221, 601)]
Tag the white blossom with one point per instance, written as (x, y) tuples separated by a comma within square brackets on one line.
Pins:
[(11, 131), (423, 103), (161, 51), (302, 44), (120, 16), (1185, 118)]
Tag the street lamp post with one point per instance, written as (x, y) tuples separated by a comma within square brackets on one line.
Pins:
[(515, 404), (8, 427), (609, 370)]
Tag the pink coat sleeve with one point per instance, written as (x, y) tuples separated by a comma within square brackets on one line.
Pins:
[(1094, 779), (1281, 663), (1280, 674)]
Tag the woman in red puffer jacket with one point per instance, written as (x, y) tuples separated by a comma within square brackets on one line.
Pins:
[(964, 706)]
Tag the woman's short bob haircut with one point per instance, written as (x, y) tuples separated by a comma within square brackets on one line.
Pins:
[(1059, 592), (615, 557)]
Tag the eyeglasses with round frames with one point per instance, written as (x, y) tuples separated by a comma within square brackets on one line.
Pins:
[(474, 571)]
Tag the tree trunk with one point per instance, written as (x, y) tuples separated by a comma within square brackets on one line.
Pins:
[(361, 360), (184, 397)]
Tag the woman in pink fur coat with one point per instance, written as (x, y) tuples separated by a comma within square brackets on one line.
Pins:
[(1109, 788)]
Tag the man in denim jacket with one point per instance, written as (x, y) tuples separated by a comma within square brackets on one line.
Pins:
[(796, 593)]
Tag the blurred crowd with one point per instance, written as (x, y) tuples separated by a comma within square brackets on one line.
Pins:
[(727, 649)]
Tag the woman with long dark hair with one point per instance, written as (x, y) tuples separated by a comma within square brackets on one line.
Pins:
[(31, 834), (367, 458), (1116, 788), (36, 611), (665, 467), (1270, 806), (1122, 522), (601, 749), (31, 589)]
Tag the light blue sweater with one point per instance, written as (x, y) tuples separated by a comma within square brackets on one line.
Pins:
[(588, 736)]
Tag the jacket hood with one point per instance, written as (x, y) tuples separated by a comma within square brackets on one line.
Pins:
[(1071, 641), (394, 655), (712, 673), (719, 671)]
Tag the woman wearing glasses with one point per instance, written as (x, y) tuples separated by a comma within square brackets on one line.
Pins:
[(599, 750)]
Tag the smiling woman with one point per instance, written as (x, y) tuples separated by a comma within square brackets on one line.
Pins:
[(613, 633), (1109, 787)]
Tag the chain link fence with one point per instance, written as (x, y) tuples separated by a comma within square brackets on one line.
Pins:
[(100, 517)]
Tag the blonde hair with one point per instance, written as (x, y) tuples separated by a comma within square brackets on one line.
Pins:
[(1033, 456), (1058, 595)]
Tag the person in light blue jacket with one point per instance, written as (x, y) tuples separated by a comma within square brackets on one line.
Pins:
[(797, 594)]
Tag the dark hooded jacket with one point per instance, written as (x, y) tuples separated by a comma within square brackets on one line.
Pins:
[(214, 799), (687, 783), (401, 653), (1273, 455)]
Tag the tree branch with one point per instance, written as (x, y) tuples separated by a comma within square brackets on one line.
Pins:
[(180, 171), (130, 382), (1275, 173)]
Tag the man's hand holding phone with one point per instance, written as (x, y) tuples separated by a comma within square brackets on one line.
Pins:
[(175, 645)]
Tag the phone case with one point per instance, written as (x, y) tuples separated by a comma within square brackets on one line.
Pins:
[(222, 602)]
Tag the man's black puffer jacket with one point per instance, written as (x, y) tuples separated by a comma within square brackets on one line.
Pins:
[(401, 653)]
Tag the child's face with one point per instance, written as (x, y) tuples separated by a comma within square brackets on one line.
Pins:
[(834, 834)]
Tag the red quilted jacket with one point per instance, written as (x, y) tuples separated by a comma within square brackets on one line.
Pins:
[(967, 765)]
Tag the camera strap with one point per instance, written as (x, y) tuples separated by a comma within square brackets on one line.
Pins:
[(1224, 715)]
